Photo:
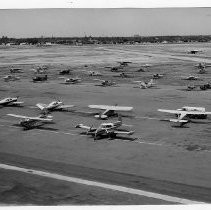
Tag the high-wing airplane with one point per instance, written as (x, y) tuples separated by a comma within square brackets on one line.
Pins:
[(40, 78), (10, 78), (106, 83), (16, 70), (53, 106), (157, 76), (72, 80), (64, 72), (145, 85), (109, 111), (33, 122), (10, 102), (123, 75), (124, 63), (109, 130), (94, 73), (186, 114)]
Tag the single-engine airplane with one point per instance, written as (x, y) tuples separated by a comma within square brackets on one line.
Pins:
[(106, 83), (109, 130), (53, 106), (109, 111), (16, 70), (72, 80), (191, 77), (11, 78), (186, 114), (10, 102), (145, 85), (33, 122)]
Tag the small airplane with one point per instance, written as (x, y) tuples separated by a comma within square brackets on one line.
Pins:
[(145, 85), (109, 111), (10, 102), (64, 72), (191, 87), (124, 63), (40, 78), (109, 130), (194, 51), (123, 75), (186, 114), (53, 106), (157, 76), (94, 73), (106, 83), (191, 77), (16, 70), (33, 122), (39, 71), (202, 71), (73, 80), (42, 67), (11, 78)]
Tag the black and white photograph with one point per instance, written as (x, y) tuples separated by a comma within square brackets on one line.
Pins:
[(105, 104)]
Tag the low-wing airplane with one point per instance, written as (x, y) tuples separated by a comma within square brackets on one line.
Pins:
[(106, 83), (16, 70), (145, 85), (109, 111), (109, 130), (72, 80), (11, 78), (191, 77), (194, 51), (10, 102), (33, 122), (53, 106), (186, 114)]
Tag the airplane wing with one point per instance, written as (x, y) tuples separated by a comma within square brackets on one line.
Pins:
[(65, 106), (114, 108), (170, 111), (83, 126), (18, 102), (124, 132), (41, 106), (31, 118)]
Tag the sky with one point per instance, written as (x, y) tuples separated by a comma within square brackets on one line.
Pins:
[(19, 23)]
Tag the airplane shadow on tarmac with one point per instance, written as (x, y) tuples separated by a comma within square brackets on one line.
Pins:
[(38, 128)]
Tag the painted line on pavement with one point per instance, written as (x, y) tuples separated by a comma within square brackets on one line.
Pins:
[(101, 185)]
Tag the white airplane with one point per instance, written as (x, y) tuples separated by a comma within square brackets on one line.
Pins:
[(10, 102), (53, 106), (10, 78), (191, 77), (109, 110), (105, 130), (94, 73), (145, 85), (186, 114), (73, 80), (33, 122)]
